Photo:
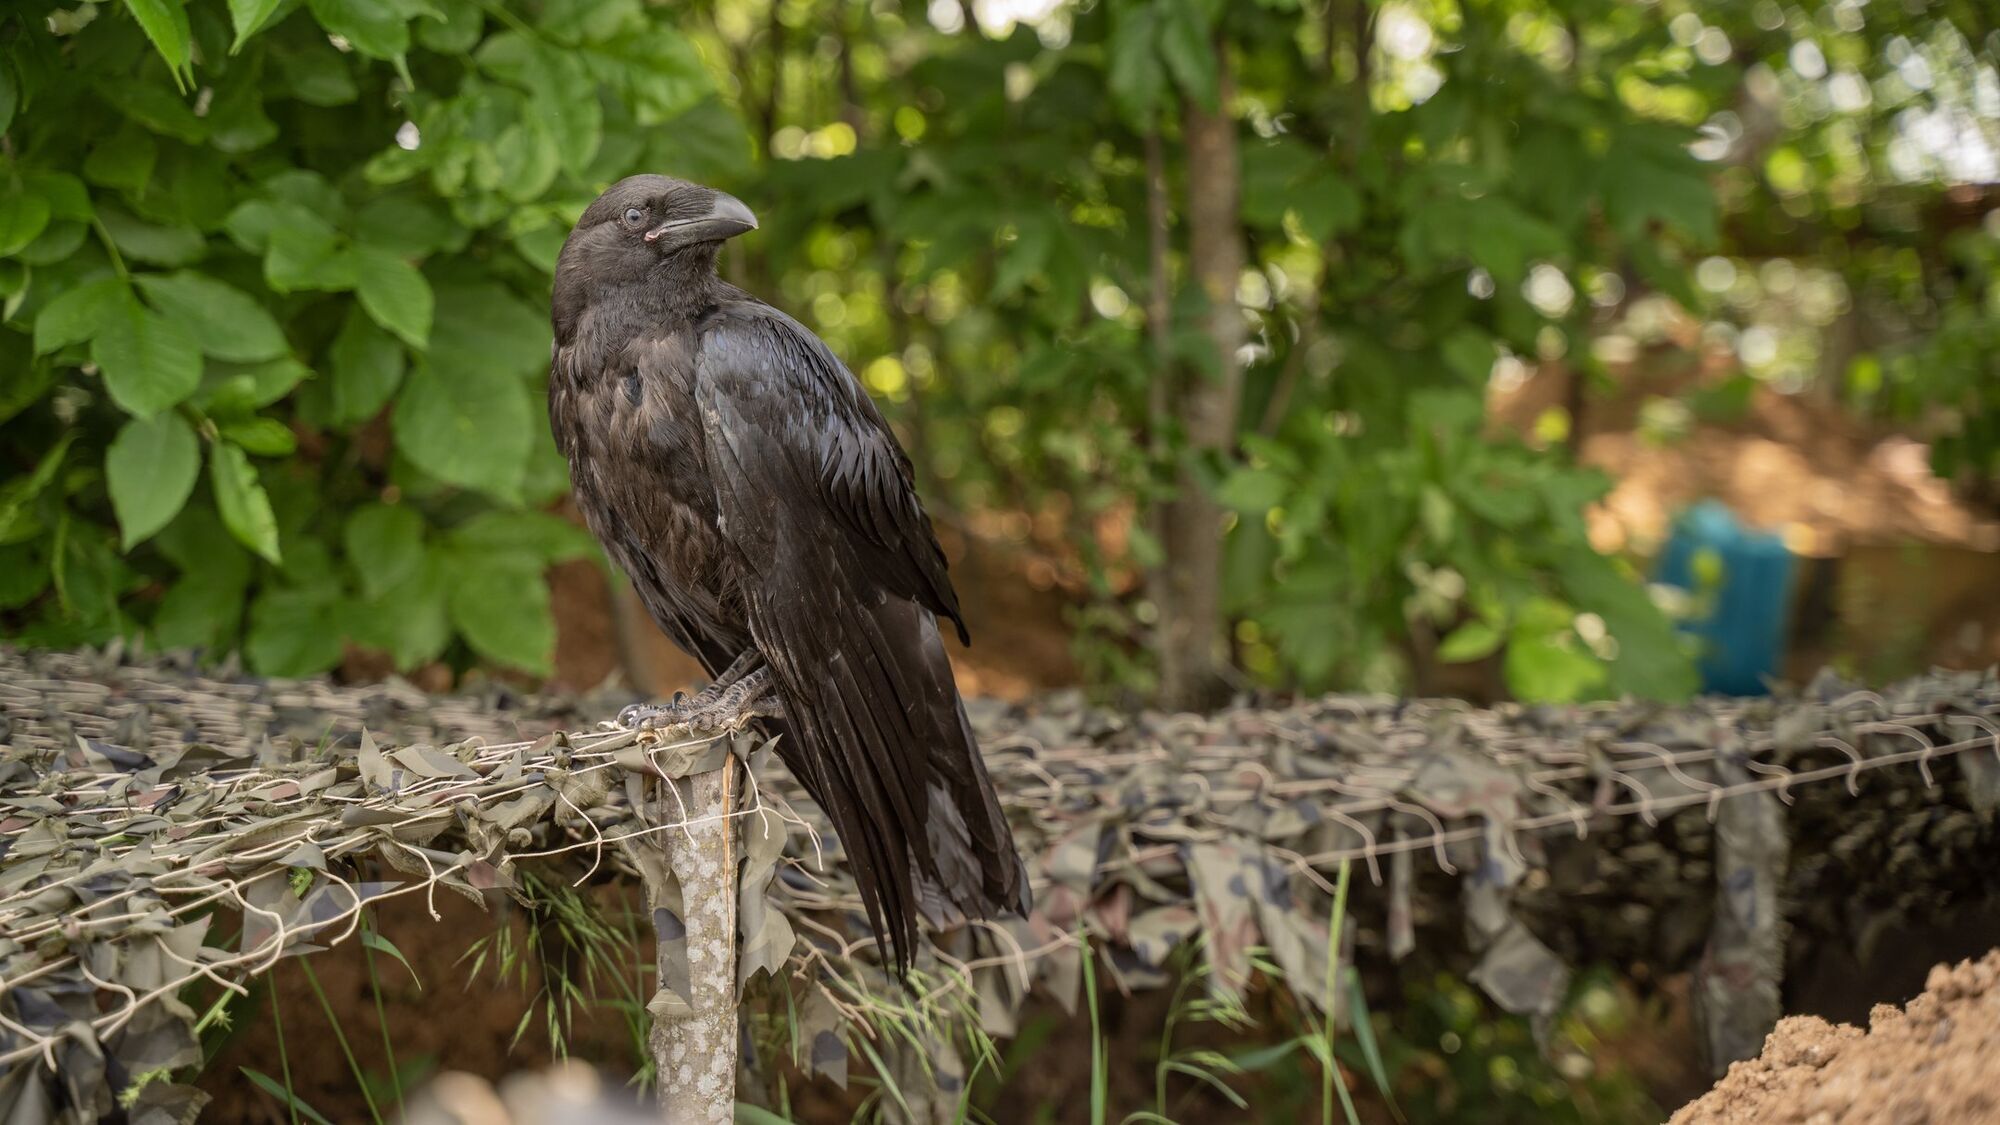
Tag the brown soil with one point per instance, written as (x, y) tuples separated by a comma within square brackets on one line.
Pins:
[(1802, 465), (1897, 569), (1931, 1061)]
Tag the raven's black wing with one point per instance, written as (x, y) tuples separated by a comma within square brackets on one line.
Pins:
[(844, 582)]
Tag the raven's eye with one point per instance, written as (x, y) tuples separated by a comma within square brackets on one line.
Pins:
[(634, 216)]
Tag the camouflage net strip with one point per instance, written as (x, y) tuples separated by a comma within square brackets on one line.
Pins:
[(143, 800)]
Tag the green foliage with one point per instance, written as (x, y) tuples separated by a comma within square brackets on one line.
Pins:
[(321, 267), (1462, 1060), (275, 332), (1337, 555), (1009, 335), (1955, 370)]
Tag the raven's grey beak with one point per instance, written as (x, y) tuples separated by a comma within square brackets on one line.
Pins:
[(727, 217)]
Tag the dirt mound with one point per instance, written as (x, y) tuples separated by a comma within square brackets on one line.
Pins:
[(1931, 1062)]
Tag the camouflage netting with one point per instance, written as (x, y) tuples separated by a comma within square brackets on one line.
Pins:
[(142, 797)]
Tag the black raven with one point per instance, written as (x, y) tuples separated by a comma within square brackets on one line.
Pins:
[(745, 482)]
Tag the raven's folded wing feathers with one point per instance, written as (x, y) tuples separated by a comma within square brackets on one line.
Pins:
[(843, 577)]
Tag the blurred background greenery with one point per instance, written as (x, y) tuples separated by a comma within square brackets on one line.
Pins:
[(1328, 345)]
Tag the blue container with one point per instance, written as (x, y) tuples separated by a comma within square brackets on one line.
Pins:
[(1745, 578)]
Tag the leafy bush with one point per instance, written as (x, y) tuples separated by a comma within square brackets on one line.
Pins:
[(274, 276), (275, 282)]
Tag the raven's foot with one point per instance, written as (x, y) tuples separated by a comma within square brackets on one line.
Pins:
[(677, 711), (743, 692), (712, 712)]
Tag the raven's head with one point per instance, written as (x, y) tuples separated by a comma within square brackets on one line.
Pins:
[(641, 221)]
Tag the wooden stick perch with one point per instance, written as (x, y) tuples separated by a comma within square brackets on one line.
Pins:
[(694, 1039)]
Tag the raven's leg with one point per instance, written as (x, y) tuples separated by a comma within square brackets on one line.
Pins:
[(681, 709), (753, 695)]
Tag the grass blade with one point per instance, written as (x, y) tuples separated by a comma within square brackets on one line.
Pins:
[(284, 1056), (1330, 1076), (381, 1016), (964, 1110), (882, 1071), (1364, 1034), (284, 1093), (333, 1021), (372, 939), (1100, 1080)]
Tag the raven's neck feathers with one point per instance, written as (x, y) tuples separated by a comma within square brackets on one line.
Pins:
[(676, 292)]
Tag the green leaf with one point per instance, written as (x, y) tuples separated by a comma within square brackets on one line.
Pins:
[(236, 390), (1435, 512), (149, 362), (56, 243), (317, 74), (265, 437), (538, 535), (367, 368), (468, 428), (1253, 491), (1137, 80), (205, 608), (150, 470), (385, 545), (27, 379), (295, 631), (237, 122), (1652, 662), (1188, 53), (24, 574), (68, 198), (541, 246), (1543, 670), (575, 116), (501, 605), (166, 24), (456, 28), (230, 323), (526, 159), (23, 216), (307, 256), (1027, 255), (248, 17), (1469, 354), (79, 313), (17, 520), (154, 106), (565, 96), (240, 498), (408, 620), (1474, 640), (124, 160), (484, 329), (153, 243), (375, 28), (655, 68), (1650, 175), (408, 226), (394, 293)]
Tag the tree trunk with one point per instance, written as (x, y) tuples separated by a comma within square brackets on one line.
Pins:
[(1193, 646), (1160, 393)]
